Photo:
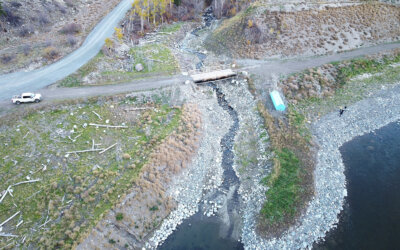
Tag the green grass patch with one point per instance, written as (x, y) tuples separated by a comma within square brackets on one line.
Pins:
[(157, 60), (363, 65), (75, 79), (171, 28), (119, 216), (284, 190)]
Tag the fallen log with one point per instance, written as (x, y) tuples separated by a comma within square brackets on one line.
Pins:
[(97, 115), (23, 182), (4, 222), (108, 148), (134, 109), (5, 193), (86, 150), (106, 126), (8, 235)]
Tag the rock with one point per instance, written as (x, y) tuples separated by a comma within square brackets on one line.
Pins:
[(139, 67)]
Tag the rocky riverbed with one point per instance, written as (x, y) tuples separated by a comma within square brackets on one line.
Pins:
[(205, 173)]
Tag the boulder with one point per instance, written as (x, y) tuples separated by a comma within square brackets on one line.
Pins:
[(139, 67)]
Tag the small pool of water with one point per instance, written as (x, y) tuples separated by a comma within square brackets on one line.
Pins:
[(371, 217), (199, 234)]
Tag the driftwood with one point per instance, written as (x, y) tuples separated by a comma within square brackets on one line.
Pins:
[(19, 223), (97, 115), (106, 126), (8, 235), (23, 182), (76, 137), (134, 109), (4, 222), (108, 148), (25, 135), (84, 151), (5, 193)]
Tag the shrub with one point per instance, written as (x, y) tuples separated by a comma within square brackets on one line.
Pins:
[(15, 4), (50, 53), (69, 3), (6, 58), (10, 17), (154, 208), (250, 23), (119, 216), (71, 40), (111, 241), (25, 31), (43, 19), (71, 28), (26, 49), (48, 43), (1, 10), (60, 7), (126, 156)]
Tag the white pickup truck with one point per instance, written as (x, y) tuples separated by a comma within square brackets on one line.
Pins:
[(26, 97)]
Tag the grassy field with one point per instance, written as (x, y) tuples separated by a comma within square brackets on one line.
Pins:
[(75, 79), (74, 190), (156, 59), (170, 28)]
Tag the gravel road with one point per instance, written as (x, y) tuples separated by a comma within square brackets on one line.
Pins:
[(268, 69)]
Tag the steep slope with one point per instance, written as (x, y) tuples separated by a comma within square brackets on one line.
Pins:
[(264, 31), (33, 33)]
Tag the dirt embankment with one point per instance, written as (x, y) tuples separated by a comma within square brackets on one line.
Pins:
[(33, 33), (259, 32), (141, 211)]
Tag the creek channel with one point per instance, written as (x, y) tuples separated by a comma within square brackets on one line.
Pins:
[(371, 215), (219, 231)]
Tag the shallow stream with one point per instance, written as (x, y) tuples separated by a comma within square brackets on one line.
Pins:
[(218, 231)]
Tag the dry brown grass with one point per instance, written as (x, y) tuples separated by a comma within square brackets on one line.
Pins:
[(307, 32)]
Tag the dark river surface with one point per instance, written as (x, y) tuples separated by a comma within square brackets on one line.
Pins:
[(371, 217)]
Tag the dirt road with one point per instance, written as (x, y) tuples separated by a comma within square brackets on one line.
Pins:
[(15, 83)]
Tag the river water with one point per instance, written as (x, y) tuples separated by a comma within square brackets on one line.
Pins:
[(371, 216)]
